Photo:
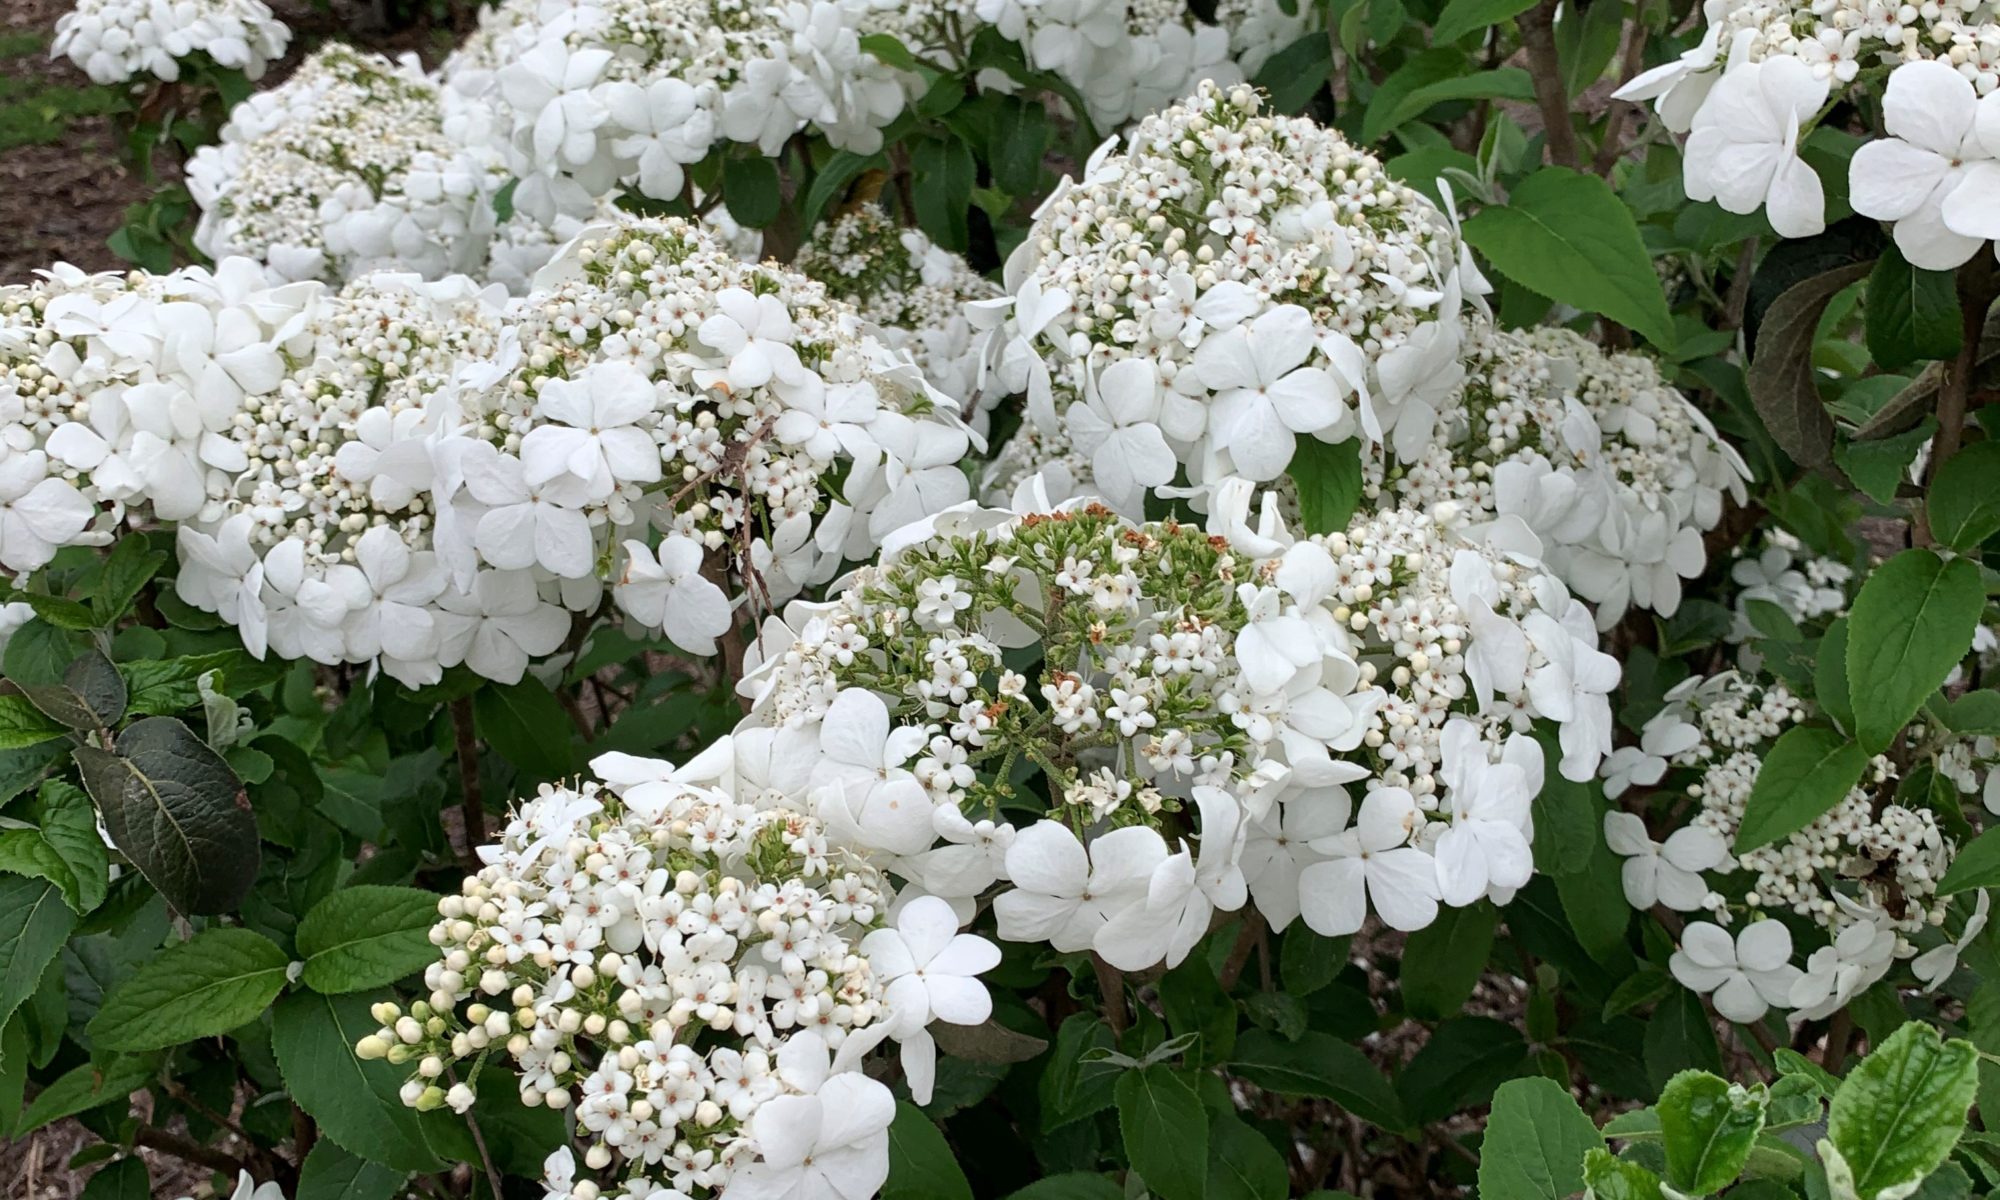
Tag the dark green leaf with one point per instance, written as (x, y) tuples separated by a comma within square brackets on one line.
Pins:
[(1166, 1131), (178, 812), (1977, 865), (1964, 500), (1443, 961), (331, 1173), (1295, 74), (34, 923), (1679, 1036), (1328, 478), (751, 190), (1074, 1185), (525, 724), (921, 1164), (131, 564), (1911, 313), (1461, 17), (831, 182), (1321, 1065), (125, 1179), (1458, 1066), (944, 177), (84, 1088), (1243, 1164), (1880, 467)]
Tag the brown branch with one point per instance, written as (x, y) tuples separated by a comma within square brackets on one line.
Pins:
[(471, 805), (188, 1151), (1112, 986), (1612, 147), (1239, 954), (1538, 39), (1978, 284)]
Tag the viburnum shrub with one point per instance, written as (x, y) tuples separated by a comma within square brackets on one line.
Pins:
[(995, 601)]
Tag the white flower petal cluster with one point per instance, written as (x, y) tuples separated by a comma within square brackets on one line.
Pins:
[(696, 975), (1614, 473), (346, 168), (913, 290), (1200, 705), (1228, 284), (583, 99), (114, 40), (1865, 873), (403, 475), (1765, 71), (1804, 588)]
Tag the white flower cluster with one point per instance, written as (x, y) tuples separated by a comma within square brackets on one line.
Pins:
[(1264, 279), (913, 290), (1198, 706), (345, 168), (697, 977), (114, 40), (1765, 73), (1802, 587), (1587, 460), (1866, 872), (1126, 58), (581, 98), (440, 483)]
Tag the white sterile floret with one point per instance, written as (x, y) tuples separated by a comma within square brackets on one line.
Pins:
[(695, 976), (583, 100), (1766, 71), (1280, 283), (1204, 702), (345, 168), (912, 289), (114, 40)]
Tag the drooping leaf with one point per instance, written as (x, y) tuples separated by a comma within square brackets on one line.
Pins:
[(177, 812), (1243, 1164), (1318, 1064), (1963, 500), (1781, 376), (1912, 621), (34, 923), (220, 978), (1911, 313), (525, 724), (83, 1088), (921, 1163)]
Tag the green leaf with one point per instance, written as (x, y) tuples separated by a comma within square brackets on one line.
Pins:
[(1590, 897), (1963, 501), (1318, 1064), (891, 51), (1442, 962), (1977, 865), (1295, 74), (1536, 1139), (1912, 622), (1243, 1164), (1612, 1178), (1500, 83), (831, 182), (1679, 1036), (131, 564), (1880, 467), (525, 724), (60, 612), (1166, 1131), (62, 847), (1782, 377), (1708, 1127), (1328, 478), (90, 697), (1308, 961), (1910, 313), (944, 177), (1830, 676), (331, 1173), (1461, 17), (1567, 236), (1459, 1066), (1901, 1111), (1807, 771), (34, 923), (1073, 1185), (125, 1179), (751, 191), (1021, 133), (84, 1088), (215, 981), (23, 724), (921, 1163), (366, 937), (37, 653), (354, 1101), (177, 812)]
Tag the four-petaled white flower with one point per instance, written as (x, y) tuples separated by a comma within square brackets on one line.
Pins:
[(1749, 974), (1935, 175), (930, 971), (1743, 151), (1265, 395), (1667, 872), (1372, 863)]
